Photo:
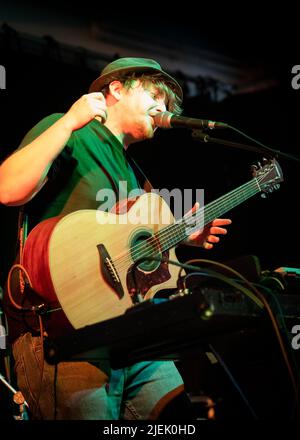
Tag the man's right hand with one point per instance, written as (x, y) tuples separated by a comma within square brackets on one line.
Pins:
[(24, 173), (85, 109)]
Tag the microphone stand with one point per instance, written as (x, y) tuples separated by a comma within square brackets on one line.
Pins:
[(269, 152)]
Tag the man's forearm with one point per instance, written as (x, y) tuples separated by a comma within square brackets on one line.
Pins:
[(24, 172)]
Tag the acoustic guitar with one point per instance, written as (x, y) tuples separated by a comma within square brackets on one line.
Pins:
[(87, 260)]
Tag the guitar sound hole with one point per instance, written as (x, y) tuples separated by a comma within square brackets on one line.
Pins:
[(143, 244)]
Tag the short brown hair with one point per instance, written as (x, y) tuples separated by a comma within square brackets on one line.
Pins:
[(173, 101)]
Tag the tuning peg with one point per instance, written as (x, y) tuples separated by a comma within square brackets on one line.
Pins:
[(254, 170), (263, 195)]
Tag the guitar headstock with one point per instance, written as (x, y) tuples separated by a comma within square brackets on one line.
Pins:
[(268, 176)]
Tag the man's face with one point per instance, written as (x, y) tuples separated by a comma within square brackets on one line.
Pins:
[(137, 107)]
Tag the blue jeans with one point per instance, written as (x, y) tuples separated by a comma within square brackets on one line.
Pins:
[(82, 391)]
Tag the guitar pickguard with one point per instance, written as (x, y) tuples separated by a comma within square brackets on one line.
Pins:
[(143, 281)]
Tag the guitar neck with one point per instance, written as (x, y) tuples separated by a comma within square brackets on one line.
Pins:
[(173, 234)]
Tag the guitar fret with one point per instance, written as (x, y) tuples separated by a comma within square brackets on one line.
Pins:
[(177, 232)]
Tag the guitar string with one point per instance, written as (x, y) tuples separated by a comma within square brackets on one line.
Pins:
[(246, 191), (208, 209), (137, 251), (211, 208), (167, 239)]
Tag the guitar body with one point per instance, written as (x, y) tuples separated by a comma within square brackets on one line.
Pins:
[(84, 260)]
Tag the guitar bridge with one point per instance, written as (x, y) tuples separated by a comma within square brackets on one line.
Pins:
[(109, 271)]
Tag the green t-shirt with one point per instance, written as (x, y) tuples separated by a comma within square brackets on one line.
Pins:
[(93, 160)]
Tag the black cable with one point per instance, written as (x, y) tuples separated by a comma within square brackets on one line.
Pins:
[(235, 384), (268, 150), (295, 382), (261, 301), (213, 274), (43, 362), (55, 391)]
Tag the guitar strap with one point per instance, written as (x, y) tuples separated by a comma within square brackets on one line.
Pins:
[(141, 176), (21, 238)]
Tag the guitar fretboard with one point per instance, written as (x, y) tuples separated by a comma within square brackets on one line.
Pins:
[(173, 234)]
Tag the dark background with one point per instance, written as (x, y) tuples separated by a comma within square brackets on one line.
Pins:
[(42, 83)]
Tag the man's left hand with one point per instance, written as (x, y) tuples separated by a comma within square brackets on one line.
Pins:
[(208, 236)]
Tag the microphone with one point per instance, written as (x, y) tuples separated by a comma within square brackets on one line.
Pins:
[(169, 120)]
